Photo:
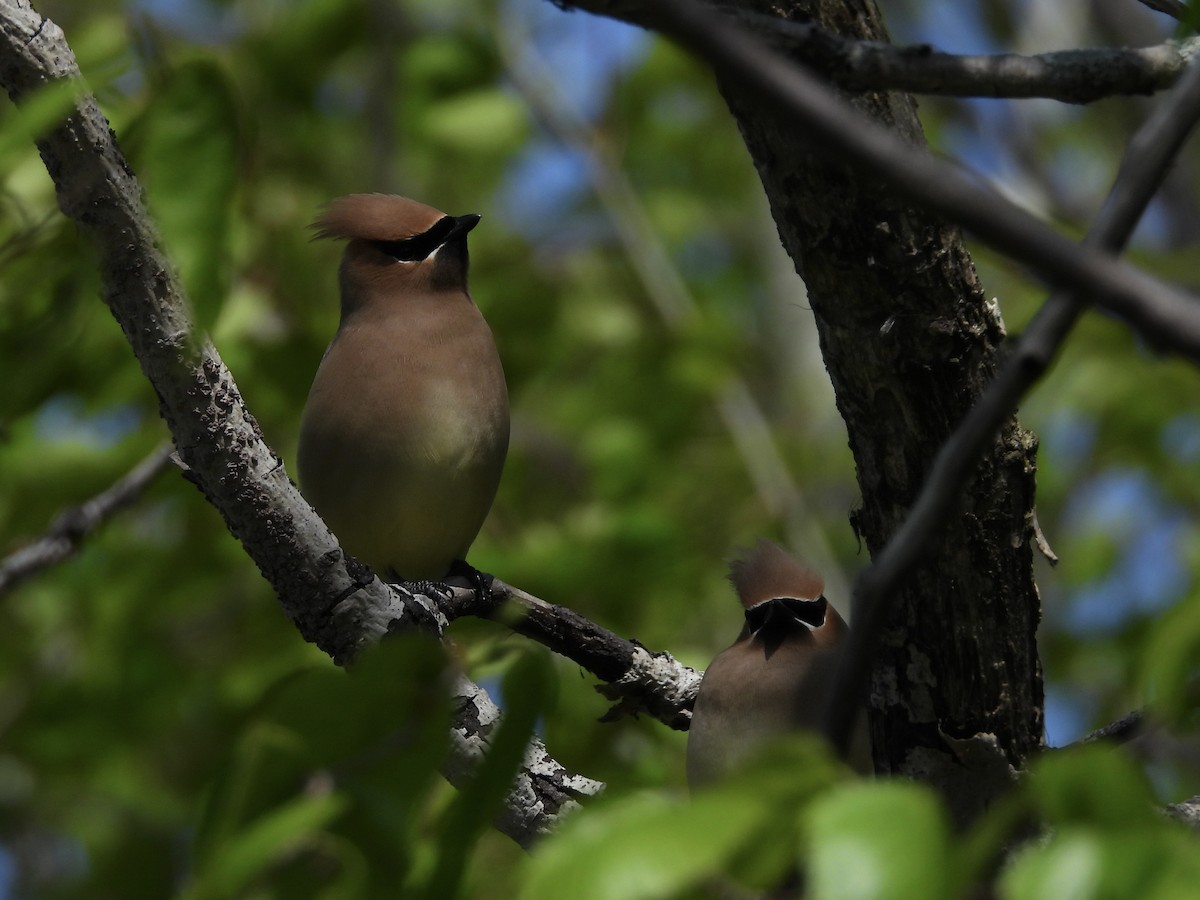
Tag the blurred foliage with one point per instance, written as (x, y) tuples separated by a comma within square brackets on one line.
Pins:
[(166, 733)]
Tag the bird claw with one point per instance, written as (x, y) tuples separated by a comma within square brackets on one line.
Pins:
[(480, 581), (433, 589)]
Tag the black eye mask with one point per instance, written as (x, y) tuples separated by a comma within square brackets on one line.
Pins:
[(418, 247), (790, 609)]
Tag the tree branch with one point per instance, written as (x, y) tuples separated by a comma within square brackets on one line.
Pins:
[(332, 599), (896, 259), (640, 681), (67, 532), (543, 791), (1148, 156), (1172, 8), (1166, 316), (1124, 729), (218, 439), (1187, 812), (1072, 76)]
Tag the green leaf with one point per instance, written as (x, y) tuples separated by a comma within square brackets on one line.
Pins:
[(1169, 661), (743, 829), (527, 691), (268, 766), (647, 845), (378, 732), (878, 841), (265, 842), (1091, 785), (36, 115), (482, 121), (396, 690), (1080, 863), (190, 148)]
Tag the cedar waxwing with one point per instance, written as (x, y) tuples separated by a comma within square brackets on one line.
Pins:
[(406, 426), (774, 677)]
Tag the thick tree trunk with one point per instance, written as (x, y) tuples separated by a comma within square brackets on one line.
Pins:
[(910, 340)]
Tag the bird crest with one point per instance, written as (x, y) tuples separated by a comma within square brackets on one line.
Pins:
[(375, 217), (768, 572)]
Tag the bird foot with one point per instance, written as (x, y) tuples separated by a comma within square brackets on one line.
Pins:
[(434, 589), (463, 571)]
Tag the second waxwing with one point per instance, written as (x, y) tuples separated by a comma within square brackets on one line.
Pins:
[(405, 429), (775, 676)]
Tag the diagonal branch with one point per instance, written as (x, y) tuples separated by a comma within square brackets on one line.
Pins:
[(1169, 318), (332, 600), (833, 130), (219, 442), (67, 532), (1172, 8), (1148, 157), (1129, 726), (640, 681)]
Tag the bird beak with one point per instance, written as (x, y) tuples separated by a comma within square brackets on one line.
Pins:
[(463, 224)]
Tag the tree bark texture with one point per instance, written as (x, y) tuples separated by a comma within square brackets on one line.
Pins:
[(910, 341), (334, 601)]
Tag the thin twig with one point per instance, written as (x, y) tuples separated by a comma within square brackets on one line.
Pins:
[(1125, 729), (1148, 156), (66, 533)]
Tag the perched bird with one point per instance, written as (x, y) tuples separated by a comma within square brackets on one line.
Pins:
[(406, 426), (774, 677)]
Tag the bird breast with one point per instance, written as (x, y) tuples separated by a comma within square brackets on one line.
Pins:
[(404, 437)]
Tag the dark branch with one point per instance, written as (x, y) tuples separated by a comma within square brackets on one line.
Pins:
[(1147, 158), (1166, 316), (1125, 729), (1172, 8), (66, 534), (642, 682), (1072, 76)]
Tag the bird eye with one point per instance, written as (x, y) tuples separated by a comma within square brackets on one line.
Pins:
[(808, 612), (417, 247)]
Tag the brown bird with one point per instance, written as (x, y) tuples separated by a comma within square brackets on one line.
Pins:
[(406, 426), (775, 676)]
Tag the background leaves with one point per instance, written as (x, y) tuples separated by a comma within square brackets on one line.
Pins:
[(163, 730)]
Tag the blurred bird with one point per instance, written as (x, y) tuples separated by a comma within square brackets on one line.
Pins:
[(406, 426), (775, 676)]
